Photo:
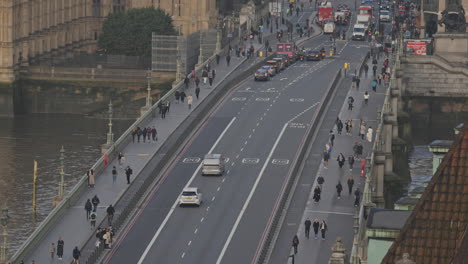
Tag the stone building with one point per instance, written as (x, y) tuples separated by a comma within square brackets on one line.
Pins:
[(35, 29)]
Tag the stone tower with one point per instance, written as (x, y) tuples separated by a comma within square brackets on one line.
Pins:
[(6, 41)]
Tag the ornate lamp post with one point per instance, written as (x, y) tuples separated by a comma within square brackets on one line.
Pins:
[(148, 89), (4, 221), (110, 135), (61, 192)]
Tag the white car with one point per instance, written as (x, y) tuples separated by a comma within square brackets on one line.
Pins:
[(190, 196), (385, 16)]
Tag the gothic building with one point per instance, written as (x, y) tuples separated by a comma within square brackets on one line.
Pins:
[(35, 29)]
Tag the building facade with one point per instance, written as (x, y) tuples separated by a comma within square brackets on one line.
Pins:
[(35, 29)]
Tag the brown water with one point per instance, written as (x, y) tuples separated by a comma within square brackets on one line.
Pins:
[(24, 139)]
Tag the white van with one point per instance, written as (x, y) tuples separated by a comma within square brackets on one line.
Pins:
[(328, 27), (213, 164), (359, 32), (363, 19)]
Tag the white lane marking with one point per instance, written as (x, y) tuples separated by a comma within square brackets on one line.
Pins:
[(219, 188), (212, 199), (250, 136), (245, 143), (183, 255), (189, 243), (191, 160), (208, 208), (196, 231), (280, 161), (201, 220), (171, 211), (227, 173), (257, 124), (301, 113), (241, 214), (224, 178), (237, 156)]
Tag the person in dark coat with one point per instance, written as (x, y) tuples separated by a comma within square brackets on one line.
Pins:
[(217, 59), (128, 172), (197, 91), (154, 134), (197, 81), (350, 184), (317, 192), (133, 135), (228, 59), (339, 188), (182, 96), (186, 82), (139, 132), (76, 255), (163, 111), (357, 197), (341, 160), (110, 214), (351, 162), (358, 81), (374, 70), (295, 243), (144, 134), (316, 226), (177, 96), (323, 228), (326, 157), (95, 201), (88, 208), (307, 225), (60, 245), (320, 181), (210, 79), (332, 137), (213, 73), (339, 127), (366, 69)]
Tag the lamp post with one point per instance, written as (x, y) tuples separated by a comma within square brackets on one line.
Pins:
[(4, 221), (200, 56), (62, 173), (148, 89), (110, 135)]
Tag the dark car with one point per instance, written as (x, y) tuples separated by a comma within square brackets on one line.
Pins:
[(270, 70), (262, 74), (314, 55), (281, 63), (288, 60), (273, 64)]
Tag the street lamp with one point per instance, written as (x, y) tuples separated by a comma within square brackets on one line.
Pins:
[(148, 89), (4, 221), (62, 173), (110, 135)]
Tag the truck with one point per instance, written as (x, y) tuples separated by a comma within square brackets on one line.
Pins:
[(359, 32), (288, 49), (365, 10), (325, 11), (364, 20)]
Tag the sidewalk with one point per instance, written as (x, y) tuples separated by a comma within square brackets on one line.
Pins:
[(73, 228), (338, 213)]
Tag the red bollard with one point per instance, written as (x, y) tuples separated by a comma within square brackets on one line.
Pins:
[(363, 168)]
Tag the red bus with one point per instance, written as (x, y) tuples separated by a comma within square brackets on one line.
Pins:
[(286, 48), (365, 10)]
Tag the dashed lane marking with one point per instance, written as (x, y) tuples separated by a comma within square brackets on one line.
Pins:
[(191, 160), (250, 160)]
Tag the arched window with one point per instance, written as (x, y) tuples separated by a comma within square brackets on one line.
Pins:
[(96, 8)]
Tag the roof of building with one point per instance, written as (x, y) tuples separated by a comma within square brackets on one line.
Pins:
[(407, 201), (387, 218), (436, 229)]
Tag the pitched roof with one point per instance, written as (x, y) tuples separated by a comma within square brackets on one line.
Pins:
[(436, 228)]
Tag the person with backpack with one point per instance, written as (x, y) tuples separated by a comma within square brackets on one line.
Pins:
[(88, 208), (76, 255), (128, 173), (93, 218), (95, 201), (339, 188), (350, 103), (326, 157), (295, 243), (320, 181), (366, 98), (374, 85), (110, 214)]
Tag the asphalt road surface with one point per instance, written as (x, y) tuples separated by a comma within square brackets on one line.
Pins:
[(259, 128)]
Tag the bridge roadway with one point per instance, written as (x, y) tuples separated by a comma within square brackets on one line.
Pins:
[(259, 127)]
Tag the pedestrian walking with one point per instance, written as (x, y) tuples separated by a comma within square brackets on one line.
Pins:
[(358, 81), (52, 251), (349, 127), (317, 193), (332, 137), (351, 162), (95, 201), (366, 69), (88, 208), (197, 81), (369, 135), (154, 134), (380, 77), (133, 135), (320, 181), (91, 178), (350, 103), (213, 73), (76, 255), (362, 129), (217, 59), (307, 225), (204, 76), (210, 79), (177, 96), (190, 101), (295, 243), (326, 157), (139, 133), (128, 173), (366, 98), (350, 183), (93, 218), (182, 96), (316, 226), (186, 82), (60, 246), (339, 127), (144, 129), (357, 197), (341, 160), (197, 92), (323, 228), (328, 148), (148, 129), (121, 159), (339, 188), (374, 85), (374, 70), (228, 59), (110, 214), (114, 173)]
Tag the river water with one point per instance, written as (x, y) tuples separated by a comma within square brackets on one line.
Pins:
[(24, 139)]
